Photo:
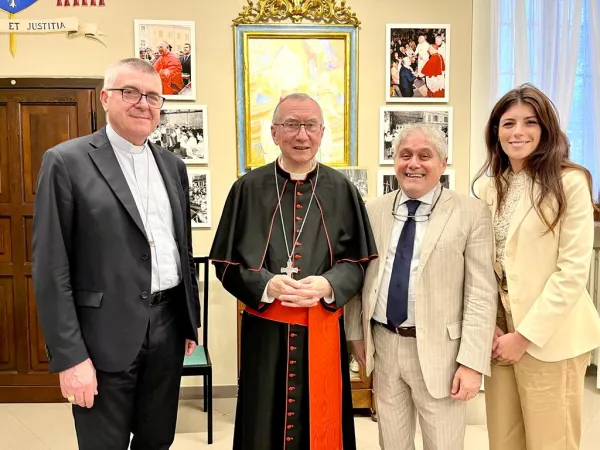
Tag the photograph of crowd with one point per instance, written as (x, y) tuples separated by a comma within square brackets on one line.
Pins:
[(387, 181), (199, 197), (358, 177), (183, 132), (391, 119), (167, 45), (417, 63)]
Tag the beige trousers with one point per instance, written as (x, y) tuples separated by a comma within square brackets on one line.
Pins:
[(534, 405), (401, 395)]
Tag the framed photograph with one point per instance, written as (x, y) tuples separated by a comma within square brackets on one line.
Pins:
[(448, 179), (387, 181), (182, 130), (200, 204), (417, 63), (272, 61), (391, 119), (168, 45), (359, 178)]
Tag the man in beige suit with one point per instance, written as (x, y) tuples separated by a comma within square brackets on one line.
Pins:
[(425, 321)]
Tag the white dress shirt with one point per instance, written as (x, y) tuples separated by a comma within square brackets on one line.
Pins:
[(148, 189), (380, 314)]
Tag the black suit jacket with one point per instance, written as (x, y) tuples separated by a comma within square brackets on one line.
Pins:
[(186, 63), (91, 259)]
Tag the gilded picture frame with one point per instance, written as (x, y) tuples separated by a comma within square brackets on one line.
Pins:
[(272, 61)]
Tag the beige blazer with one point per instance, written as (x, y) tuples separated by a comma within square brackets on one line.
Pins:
[(547, 273), (456, 292)]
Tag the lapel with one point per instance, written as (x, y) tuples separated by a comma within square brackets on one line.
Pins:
[(437, 221), (104, 157), (168, 172)]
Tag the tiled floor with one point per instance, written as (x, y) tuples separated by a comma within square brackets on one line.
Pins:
[(50, 426)]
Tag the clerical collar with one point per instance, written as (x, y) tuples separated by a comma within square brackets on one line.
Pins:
[(289, 175), (121, 143)]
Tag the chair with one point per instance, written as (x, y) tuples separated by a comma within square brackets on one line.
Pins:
[(198, 363)]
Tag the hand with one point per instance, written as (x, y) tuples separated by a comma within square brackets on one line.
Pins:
[(318, 284), (497, 333), (78, 384), (190, 346), (312, 290), (511, 347), (466, 384), (357, 348), (281, 285)]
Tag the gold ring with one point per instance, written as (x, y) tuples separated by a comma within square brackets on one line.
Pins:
[(71, 398)]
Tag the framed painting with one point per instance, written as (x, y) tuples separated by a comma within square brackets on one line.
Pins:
[(169, 46), (273, 61), (417, 63)]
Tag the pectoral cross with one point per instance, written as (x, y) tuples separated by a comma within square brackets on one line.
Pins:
[(13, 4), (289, 270)]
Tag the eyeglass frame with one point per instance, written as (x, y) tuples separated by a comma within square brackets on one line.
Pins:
[(402, 218), (300, 125), (140, 99)]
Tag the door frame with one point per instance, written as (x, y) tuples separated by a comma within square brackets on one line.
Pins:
[(98, 121)]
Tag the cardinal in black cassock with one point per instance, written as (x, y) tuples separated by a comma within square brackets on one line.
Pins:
[(293, 244)]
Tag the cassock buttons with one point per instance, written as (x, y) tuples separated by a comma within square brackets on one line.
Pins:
[(292, 348), (298, 206), (299, 194), (298, 218), (145, 257), (297, 256)]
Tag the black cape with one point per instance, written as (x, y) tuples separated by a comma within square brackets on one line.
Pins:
[(248, 250)]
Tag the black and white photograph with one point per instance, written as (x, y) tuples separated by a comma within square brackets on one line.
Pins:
[(183, 131), (169, 46), (417, 63), (200, 197), (358, 177), (387, 181), (391, 119), (448, 179)]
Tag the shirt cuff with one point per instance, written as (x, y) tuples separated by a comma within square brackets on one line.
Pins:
[(266, 298), (330, 300)]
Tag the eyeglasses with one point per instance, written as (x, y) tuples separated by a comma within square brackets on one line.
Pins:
[(133, 97), (416, 217), (294, 127)]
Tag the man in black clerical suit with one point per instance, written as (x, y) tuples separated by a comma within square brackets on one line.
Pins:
[(293, 244), (113, 269)]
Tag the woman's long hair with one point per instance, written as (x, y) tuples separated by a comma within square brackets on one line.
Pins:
[(545, 164)]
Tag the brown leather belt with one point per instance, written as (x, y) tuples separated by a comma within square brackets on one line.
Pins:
[(401, 331), (160, 297)]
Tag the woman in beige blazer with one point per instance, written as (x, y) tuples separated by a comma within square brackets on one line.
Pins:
[(547, 325)]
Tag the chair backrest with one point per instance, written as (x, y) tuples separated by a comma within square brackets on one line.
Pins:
[(203, 261)]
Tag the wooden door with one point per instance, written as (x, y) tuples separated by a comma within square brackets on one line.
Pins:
[(32, 120)]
